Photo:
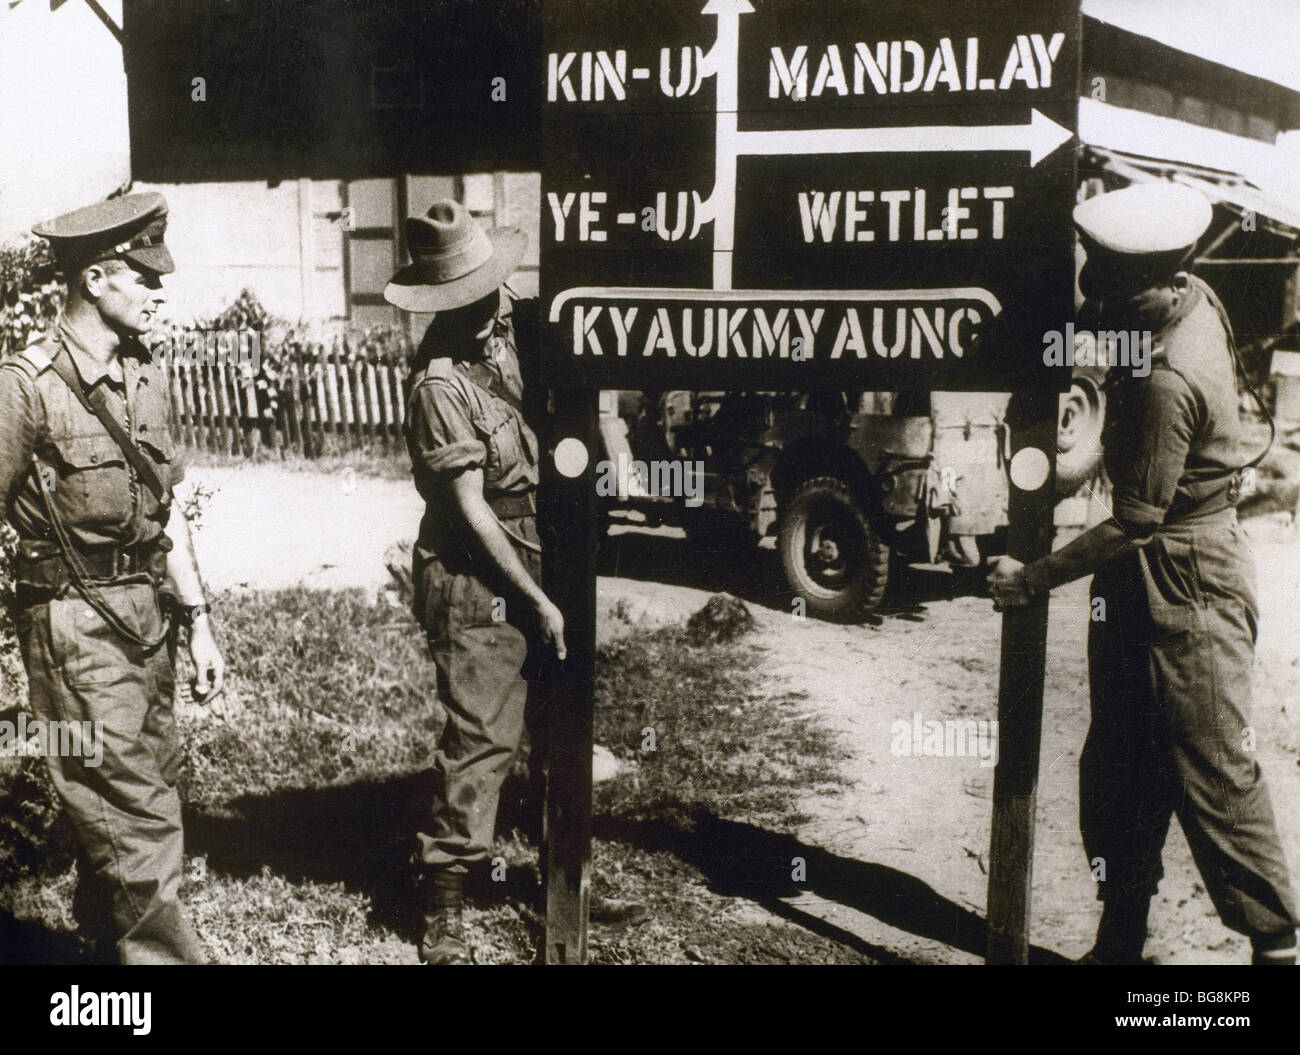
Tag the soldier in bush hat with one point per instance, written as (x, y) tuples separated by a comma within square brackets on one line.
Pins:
[(477, 561), (87, 466), (1170, 663)]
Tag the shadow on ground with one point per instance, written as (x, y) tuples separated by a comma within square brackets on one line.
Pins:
[(754, 574), (26, 943), (360, 835), (745, 861)]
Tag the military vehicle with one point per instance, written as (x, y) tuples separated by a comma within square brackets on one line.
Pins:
[(847, 483)]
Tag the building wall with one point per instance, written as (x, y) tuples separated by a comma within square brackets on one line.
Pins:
[(228, 236), (322, 249)]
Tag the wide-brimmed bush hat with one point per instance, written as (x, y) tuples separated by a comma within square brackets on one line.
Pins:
[(454, 261)]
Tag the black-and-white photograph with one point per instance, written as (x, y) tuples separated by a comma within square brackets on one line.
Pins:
[(691, 482)]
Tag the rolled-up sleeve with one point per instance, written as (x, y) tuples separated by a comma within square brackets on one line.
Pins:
[(443, 434), (1162, 415), (17, 432)]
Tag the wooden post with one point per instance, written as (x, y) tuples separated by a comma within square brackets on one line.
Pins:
[(569, 578), (321, 409), (293, 409), (194, 402), (387, 418), (332, 370), (216, 381), (362, 413), (226, 380), (1020, 708), (202, 374), (259, 430), (177, 397), (347, 412), (374, 423), (397, 382)]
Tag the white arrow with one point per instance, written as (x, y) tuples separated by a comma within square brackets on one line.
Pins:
[(1040, 137)]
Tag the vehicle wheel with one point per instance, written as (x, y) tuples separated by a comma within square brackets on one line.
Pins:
[(1078, 435), (831, 556)]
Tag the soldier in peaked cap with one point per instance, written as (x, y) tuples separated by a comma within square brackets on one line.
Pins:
[(1170, 665), (87, 467), (130, 228)]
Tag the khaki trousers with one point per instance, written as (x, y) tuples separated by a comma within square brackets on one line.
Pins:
[(480, 641), (126, 810), (1170, 672)]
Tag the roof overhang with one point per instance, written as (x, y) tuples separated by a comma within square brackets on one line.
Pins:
[(1242, 175)]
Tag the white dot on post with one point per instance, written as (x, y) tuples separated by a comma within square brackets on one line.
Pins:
[(1030, 468), (570, 457)]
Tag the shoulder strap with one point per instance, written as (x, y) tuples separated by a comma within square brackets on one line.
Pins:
[(35, 355), (486, 378), (62, 365), (433, 370), (31, 362)]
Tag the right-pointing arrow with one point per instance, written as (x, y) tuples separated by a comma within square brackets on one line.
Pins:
[(1040, 137)]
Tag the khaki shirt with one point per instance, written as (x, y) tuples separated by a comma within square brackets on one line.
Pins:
[(1172, 440), (94, 490), (454, 424)]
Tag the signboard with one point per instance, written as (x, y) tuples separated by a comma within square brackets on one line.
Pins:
[(790, 195), (796, 195)]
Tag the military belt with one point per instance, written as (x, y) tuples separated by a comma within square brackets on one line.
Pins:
[(513, 506), (40, 565)]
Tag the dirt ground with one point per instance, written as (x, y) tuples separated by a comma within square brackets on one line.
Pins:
[(896, 864), (270, 528)]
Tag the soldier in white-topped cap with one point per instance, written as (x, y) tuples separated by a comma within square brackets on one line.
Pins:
[(1170, 664)]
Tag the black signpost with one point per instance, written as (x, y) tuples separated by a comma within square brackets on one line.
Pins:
[(798, 195)]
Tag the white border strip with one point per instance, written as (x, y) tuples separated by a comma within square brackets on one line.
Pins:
[(674, 293)]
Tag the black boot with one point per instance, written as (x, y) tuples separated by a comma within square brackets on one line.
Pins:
[(1273, 950), (444, 922), (1122, 932), (92, 908)]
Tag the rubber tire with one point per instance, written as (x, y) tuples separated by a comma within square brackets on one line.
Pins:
[(861, 593), (1078, 435)]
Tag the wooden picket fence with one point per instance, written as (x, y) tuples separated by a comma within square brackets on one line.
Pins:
[(314, 399)]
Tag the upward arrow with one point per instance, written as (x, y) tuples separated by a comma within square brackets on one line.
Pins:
[(728, 7), (723, 60), (723, 64)]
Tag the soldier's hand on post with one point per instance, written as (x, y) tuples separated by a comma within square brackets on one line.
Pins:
[(209, 666), (1007, 584), (551, 622)]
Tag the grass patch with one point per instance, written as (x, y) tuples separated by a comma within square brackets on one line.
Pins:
[(325, 688), (299, 824), (720, 743)]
